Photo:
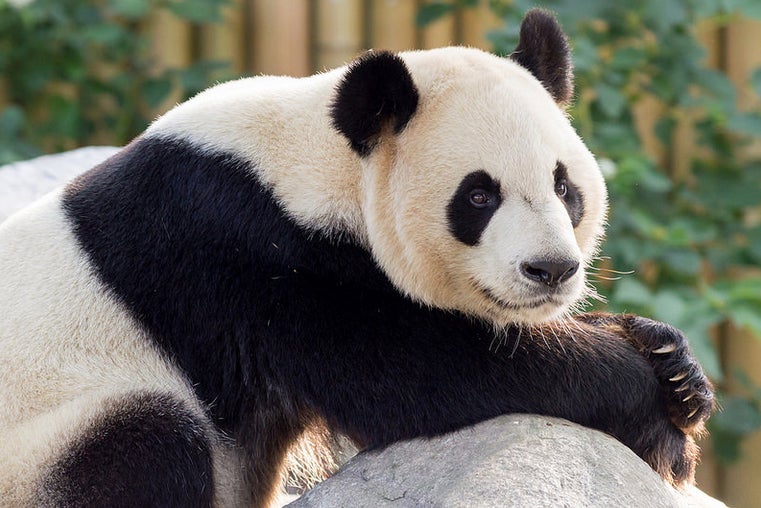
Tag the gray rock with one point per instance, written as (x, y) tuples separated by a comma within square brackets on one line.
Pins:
[(513, 460), (25, 181)]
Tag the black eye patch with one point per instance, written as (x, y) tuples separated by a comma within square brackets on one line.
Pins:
[(472, 206), (569, 194)]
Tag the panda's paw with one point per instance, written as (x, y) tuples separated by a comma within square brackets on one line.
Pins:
[(671, 453), (688, 392)]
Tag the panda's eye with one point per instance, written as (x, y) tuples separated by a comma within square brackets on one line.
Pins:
[(479, 198), (561, 189)]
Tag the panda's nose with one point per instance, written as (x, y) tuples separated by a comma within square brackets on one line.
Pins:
[(550, 272)]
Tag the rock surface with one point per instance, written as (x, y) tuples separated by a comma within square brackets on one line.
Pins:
[(25, 181), (513, 460)]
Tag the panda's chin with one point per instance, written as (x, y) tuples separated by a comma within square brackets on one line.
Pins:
[(531, 314), (526, 311)]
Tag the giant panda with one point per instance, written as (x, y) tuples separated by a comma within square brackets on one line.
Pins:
[(389, 250)]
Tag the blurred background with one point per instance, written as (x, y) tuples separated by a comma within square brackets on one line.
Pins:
[(668, 97)]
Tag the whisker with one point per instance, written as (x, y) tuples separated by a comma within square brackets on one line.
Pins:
[(517, 341), (560, 343), (541, 332), (610, 270), (601, 277)]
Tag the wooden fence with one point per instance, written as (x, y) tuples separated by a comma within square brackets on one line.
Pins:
[(300, 37)]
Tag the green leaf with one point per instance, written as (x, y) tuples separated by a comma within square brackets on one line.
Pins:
[(682, 261), (754, 244), (747, 316), (705, 352), (12, 120), (668, 306), (696, 323), (197, 11), (749, 8), (611, 101), (133, 9), (746, 123), (738, 416), (664, 129), (628, 58), (726, 445), (655, 181), (632, 291), (747, 290), (707, 8), (103, 34), (430, 12), (665, 15), (586, 54), (66, 116), (155, 91), (717, 84), (755, 81)]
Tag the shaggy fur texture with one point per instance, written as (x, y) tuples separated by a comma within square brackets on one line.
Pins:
[(260, 263)]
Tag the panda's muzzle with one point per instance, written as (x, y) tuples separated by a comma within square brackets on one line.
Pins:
[(550, 272)]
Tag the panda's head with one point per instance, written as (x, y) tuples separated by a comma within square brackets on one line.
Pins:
[(477, 193)]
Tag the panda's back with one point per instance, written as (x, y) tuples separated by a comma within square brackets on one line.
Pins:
[(62, 335)]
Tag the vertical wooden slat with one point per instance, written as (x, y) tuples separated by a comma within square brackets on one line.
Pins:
[(340, 30), (171, 40), (280, 37), (225, 41), (685, 146), (707, 475), (171, 43), (393, 24), (677, 156), (440, 33), (740, 481), (742, 58), (476, 23), (646, 113)]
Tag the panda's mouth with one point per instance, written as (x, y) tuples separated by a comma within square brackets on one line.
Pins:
[(528, 304)]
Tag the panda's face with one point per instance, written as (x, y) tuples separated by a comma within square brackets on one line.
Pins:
[(487, 201)]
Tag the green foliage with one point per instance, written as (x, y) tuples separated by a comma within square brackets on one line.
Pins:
[(432, 11), (740, 416), (686, 235), (79, 72)]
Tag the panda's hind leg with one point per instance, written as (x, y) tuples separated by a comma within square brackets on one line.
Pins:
[(137, 449)]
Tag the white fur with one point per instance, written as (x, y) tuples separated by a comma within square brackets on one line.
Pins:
[(66, 348), (476, 111)]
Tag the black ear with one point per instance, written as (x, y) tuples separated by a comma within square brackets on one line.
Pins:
[(543, 49), (376, 91)]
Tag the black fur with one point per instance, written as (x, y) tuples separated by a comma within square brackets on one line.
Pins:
[(543, 49), (574, 198), (145, 450), (466, 222), (272, 322), (377, 91)]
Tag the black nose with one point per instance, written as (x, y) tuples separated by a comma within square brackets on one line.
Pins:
[(550, 272)]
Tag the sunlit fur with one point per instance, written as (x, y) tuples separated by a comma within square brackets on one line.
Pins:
[(67, 348), (71, 345), (476, 111)]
